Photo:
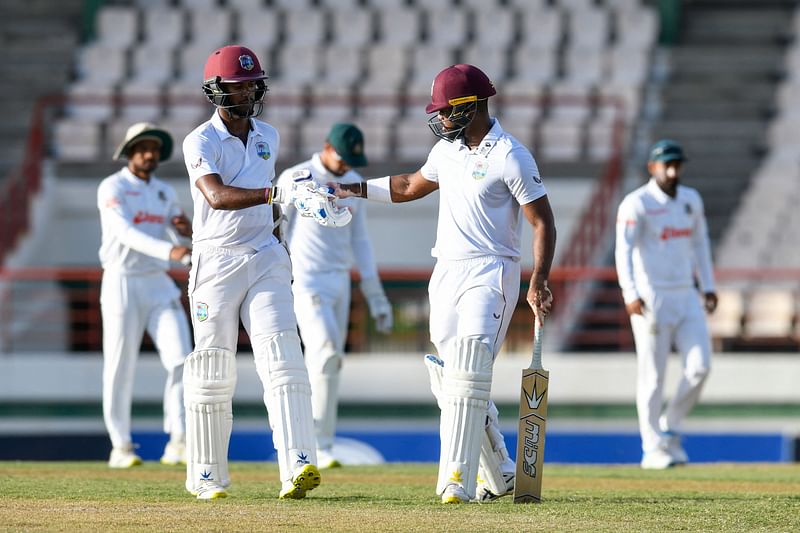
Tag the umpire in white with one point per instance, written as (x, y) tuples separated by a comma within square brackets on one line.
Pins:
[(136, 210), (662, 252)]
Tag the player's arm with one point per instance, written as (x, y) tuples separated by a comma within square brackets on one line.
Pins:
[(229, 198), (702, 254), (389, 189), (540, 216), (627, 231), (379, 307), (117, 218)]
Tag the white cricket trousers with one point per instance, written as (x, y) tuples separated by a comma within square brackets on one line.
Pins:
[(233, 283), (673, 317), (131, 304), (472, 298), (322, 306)]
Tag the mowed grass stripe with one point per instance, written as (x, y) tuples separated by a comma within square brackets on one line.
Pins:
[(88, 496)]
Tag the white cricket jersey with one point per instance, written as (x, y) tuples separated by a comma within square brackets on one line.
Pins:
[(315, 248), (662, 242), (211, 149), (134, 216), (480, 193)]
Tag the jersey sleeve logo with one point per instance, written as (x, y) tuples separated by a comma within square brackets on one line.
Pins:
[(197, 164)]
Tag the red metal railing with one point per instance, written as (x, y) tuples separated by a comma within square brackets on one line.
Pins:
[(47, 309)]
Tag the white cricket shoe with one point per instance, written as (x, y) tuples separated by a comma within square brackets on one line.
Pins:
[(174, 453), (325, 459), (210, 490), (675, 448), (304, 479), (657, 460), (123, 457), (454, 493), (484, 494)]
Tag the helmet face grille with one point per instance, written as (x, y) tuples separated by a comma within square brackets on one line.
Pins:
[(219, 95), (460, 117)]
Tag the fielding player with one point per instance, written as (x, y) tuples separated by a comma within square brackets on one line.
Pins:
[(136, 208), (321, 261), (662, 246), (484, 175), (241, 271)]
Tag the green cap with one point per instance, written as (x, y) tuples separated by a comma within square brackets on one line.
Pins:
[(348, 141), (667, 150)]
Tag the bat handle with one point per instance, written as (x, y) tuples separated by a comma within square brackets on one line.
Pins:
[(538, 333)]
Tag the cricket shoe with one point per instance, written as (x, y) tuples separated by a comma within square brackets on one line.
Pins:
[(305, 478), (210, 490), (675, 448), (454, 493), (124, 457), (325, 459), (657, 459), (174, 453), (484, 494)]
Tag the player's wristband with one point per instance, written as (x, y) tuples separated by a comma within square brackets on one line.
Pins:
[(380, 190)]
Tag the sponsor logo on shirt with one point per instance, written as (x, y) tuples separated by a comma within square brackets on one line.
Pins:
[(198, 163), (142, 217), (675, 233), (262, 149), (132, 193)]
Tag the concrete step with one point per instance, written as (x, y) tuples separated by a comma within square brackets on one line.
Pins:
[(731, 63), (757, 24)]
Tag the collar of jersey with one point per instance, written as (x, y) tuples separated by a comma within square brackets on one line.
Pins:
[(130, 176), (652, 185), (316, 165), (488, 141), (223, 132)]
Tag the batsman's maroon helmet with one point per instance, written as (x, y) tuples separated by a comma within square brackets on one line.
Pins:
[(233, 64), (457, 88), (459, 84)]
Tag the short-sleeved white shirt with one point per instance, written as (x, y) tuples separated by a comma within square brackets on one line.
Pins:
[(211, 149), (316, 248), (134, 215), (481, 191)]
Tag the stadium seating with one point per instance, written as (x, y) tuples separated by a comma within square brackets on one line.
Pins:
[(553, 61)]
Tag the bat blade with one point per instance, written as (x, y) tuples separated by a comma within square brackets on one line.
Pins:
[(531, 431)]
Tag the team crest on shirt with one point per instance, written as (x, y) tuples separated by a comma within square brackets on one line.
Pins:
[(201, 311), (262, 149), (480, 169)]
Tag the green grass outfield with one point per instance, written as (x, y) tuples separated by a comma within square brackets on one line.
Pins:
[(72, 496)]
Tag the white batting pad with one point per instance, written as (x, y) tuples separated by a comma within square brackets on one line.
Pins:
[(494, 454), (325, 399), (288, 400), (465, 397), (209, 379)]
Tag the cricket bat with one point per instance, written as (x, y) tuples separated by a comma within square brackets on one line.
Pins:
[(532, 423)]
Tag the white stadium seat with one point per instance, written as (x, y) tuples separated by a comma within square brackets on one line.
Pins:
[(117, 26), (258, 29), (165, 27)]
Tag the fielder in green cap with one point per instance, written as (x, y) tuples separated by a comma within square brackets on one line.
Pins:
[(321, 261)]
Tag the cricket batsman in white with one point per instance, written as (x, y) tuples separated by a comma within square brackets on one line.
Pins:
[(321, 261), (487, 181), (136, 212), (240, 271), (662, 253)]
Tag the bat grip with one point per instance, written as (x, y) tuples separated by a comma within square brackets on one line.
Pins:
[(538, 333)]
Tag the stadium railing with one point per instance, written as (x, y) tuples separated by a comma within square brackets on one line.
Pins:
[(58, 309)]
